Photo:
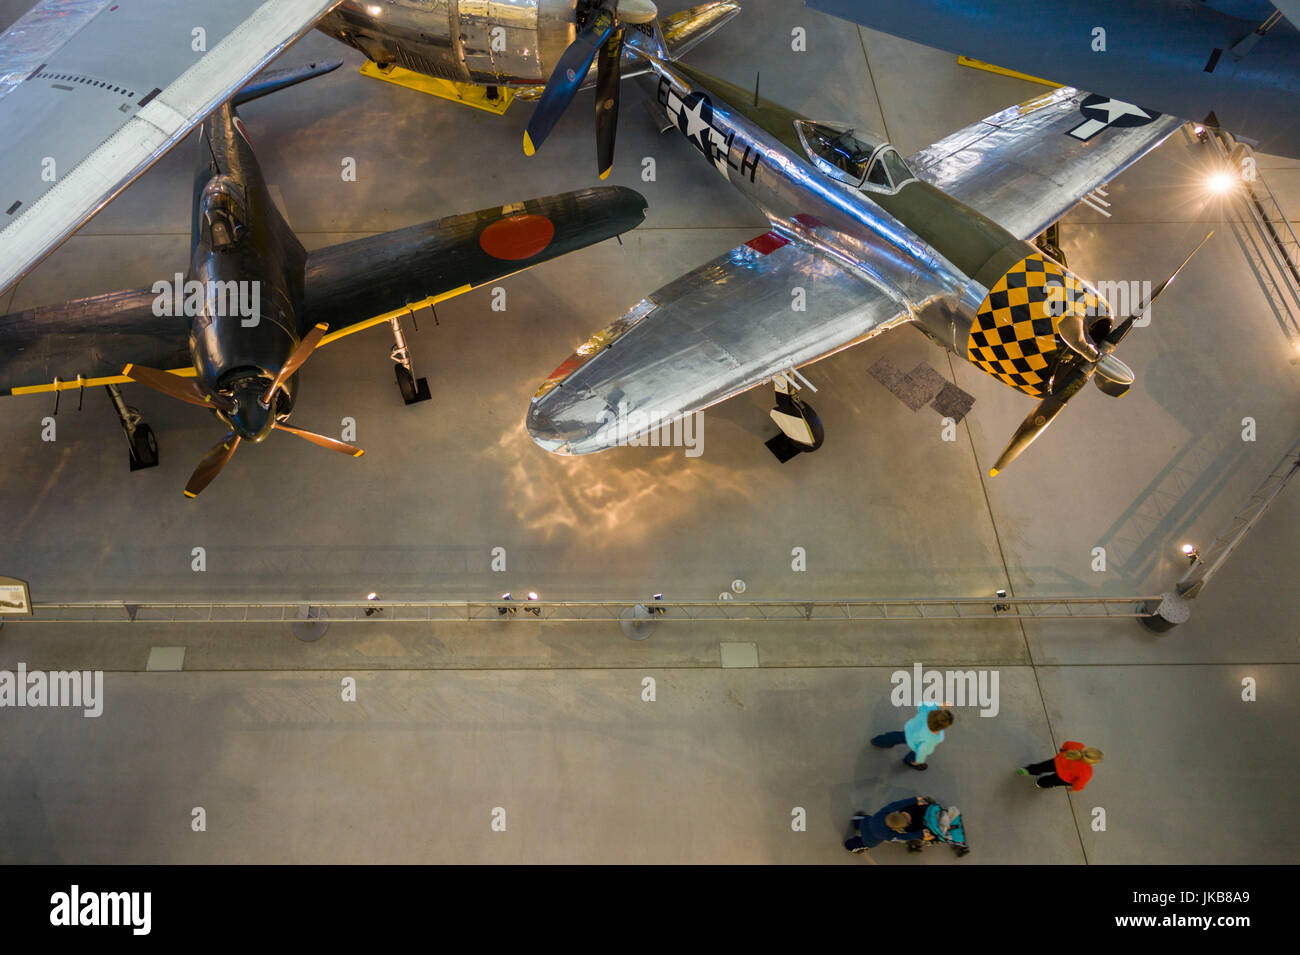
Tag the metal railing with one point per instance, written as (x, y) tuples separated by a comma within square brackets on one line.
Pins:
[(580, 611), (1277, 251), (1207, 564)]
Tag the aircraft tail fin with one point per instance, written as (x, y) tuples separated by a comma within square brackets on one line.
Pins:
[(272, 81), (676, 34)]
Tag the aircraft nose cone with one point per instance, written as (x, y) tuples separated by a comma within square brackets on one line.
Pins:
[(250, 419), (637, 11)]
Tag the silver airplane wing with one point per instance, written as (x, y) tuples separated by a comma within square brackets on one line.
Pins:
[(93, 92), (711, 334), (1028, 165)]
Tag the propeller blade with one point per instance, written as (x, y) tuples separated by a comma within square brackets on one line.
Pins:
[(1038, 419), (320, 439), (608, 75), (575, 63), (211, 465), (296, 359), (1029, 429), (1123, 328), (184, 389)]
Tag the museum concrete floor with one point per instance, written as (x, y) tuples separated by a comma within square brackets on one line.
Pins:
[(547, 720)]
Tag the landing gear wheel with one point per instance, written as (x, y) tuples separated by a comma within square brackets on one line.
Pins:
[(144, 448), (814, 422), (413, 389), (783, 447)]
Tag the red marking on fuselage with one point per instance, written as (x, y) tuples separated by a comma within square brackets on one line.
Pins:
[(569, 365), (239, 128), (517, 237), (767, 243)]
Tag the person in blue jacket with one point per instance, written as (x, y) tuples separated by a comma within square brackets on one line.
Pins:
[(901, 821), (922, 733)]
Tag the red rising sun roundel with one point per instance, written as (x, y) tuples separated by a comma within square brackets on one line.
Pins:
[(517, 237)]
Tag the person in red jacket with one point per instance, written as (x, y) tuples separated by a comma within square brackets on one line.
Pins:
[(1072, 767)]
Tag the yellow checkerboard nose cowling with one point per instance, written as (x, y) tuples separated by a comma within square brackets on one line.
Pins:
[(1013, 337)]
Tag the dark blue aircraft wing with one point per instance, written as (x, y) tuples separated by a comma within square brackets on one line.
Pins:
[(46, 349), (359, 284)]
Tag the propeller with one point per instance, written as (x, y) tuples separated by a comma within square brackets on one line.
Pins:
[(332, 444), (1111, 376), (186, 389), (211, 465), (249, 409), (601, 35), (296, 359)]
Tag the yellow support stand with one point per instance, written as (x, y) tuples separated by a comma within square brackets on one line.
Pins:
[(1002, 71), (467, 94)]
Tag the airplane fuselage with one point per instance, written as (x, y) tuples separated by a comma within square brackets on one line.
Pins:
[(497, 42), (937, 257), (245, 278)]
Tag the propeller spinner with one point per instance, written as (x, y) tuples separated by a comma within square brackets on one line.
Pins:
[(1112, 377), (249, 409), (601, 35)]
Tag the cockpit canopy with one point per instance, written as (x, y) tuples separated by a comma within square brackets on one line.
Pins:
[(225, 215), (857, 157)]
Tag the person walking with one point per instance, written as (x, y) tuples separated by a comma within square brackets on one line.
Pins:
[(1071, 766), (922, 733), (901, 821)]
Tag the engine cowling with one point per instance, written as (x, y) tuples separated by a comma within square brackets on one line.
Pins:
[(491, 42)]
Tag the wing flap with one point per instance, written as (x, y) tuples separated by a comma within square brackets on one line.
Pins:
[(709, 335), (1028, 165)]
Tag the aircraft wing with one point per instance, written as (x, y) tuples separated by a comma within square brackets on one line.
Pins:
[(711, 334), (1028, 165), (45, 349), (93, 92), (388, 275)]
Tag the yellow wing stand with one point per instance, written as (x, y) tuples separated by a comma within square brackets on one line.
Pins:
[(395, 313), (1003, 71), (467, 94), (73, 384)]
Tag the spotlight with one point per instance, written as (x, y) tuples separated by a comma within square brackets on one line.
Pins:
[(1199, 130), (503, 611), (1221, 182), (372, 611), (657, 610), (1001, 607), (535, 611), (1191, 553)]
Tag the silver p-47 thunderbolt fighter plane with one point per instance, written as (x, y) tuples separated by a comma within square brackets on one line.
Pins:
[(939, 240)]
